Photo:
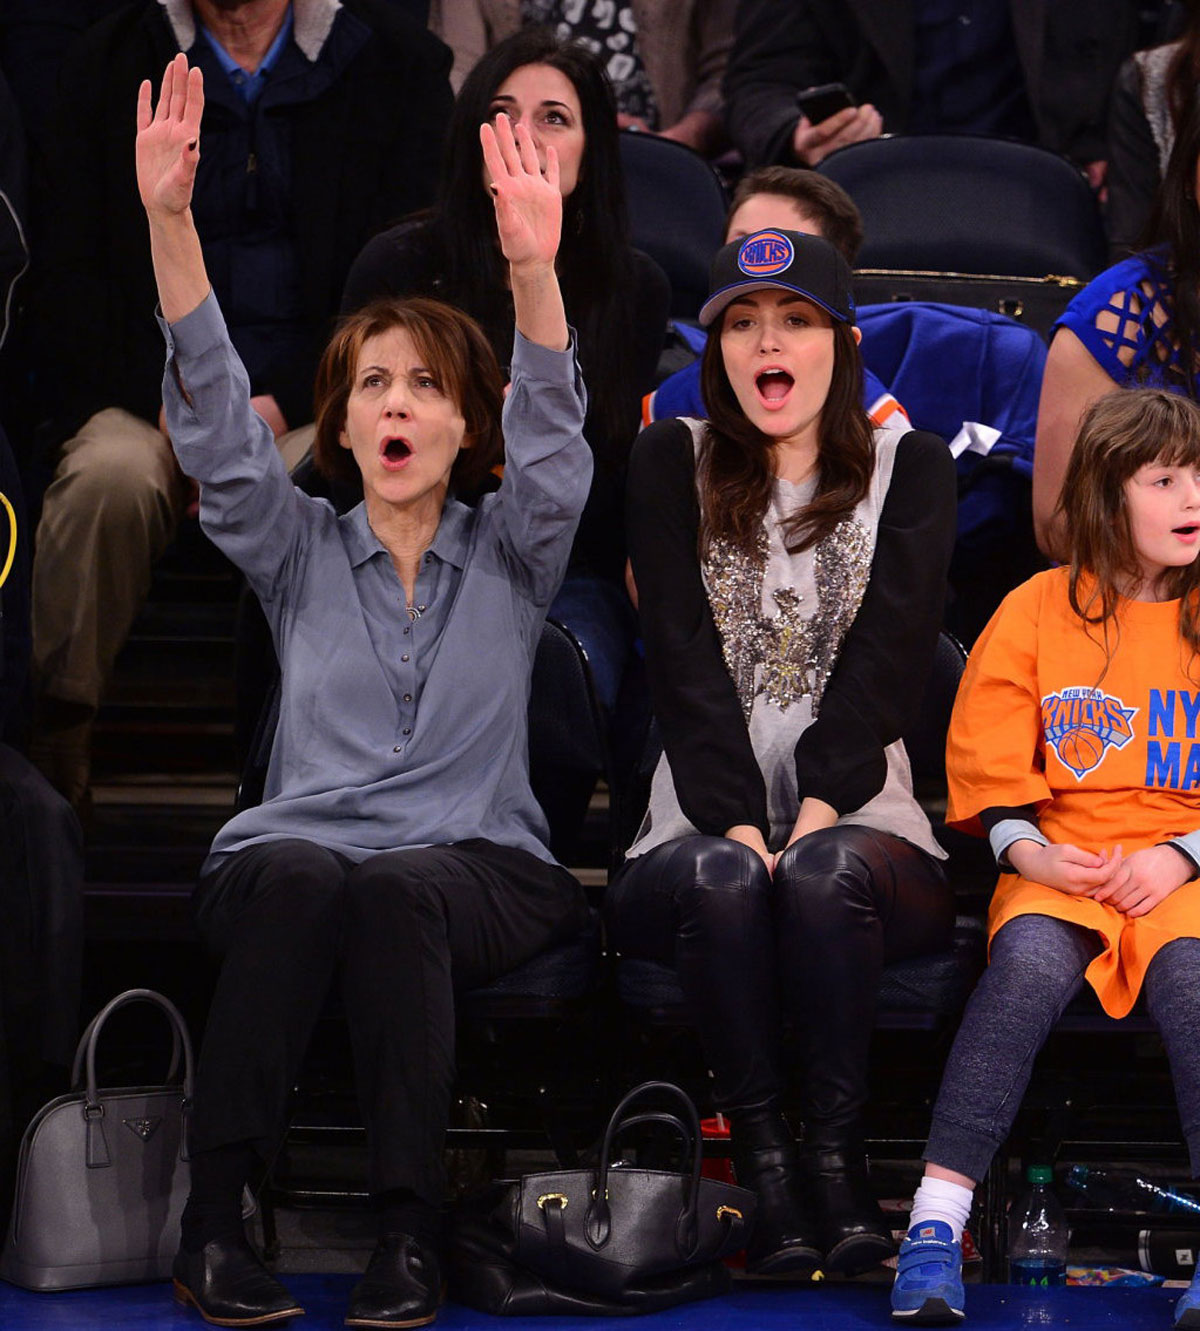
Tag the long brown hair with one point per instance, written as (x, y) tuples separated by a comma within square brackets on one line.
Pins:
[(1120, 433), (453, 347), (735, 468)]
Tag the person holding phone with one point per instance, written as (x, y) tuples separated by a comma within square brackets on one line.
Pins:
[(1028, 69)]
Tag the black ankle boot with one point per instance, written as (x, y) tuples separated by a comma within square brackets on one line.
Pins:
[(783, 1240), (852, 1228)]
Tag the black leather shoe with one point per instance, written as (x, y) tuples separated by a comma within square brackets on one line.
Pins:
[(402, 1285), (783, 1240), (228, 1286), (853, 1230)]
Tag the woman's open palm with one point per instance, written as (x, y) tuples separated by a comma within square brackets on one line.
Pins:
[(528, 203), (168, 138)]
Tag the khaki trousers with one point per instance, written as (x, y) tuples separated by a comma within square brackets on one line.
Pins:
[(109, 513)]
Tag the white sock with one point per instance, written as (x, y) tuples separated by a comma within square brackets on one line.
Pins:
[(939, 1199)]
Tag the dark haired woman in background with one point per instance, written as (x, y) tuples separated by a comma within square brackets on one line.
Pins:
[(616, 297), (791, 567), (1137, 324)]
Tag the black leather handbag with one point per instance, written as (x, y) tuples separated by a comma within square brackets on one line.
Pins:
[(610, 1240), (103, 1173)]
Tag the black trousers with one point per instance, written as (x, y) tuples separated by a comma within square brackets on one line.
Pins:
[(407, 929), (810, 942)]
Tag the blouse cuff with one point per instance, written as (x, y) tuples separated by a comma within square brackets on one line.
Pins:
[(544, 363), (1008, 831), (197, 332)]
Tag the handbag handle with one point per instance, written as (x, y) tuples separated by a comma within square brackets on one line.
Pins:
[(687, 1230), (81, 1052), (93, 1110)]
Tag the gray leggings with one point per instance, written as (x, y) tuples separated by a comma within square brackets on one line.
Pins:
[(1036, 968)]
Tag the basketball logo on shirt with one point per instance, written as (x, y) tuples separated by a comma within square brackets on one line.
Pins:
[(1082, 724)]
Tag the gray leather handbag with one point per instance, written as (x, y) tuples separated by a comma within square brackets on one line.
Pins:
[(103, 1173)]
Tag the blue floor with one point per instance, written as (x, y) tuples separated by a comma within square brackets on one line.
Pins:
[(831, 1308)]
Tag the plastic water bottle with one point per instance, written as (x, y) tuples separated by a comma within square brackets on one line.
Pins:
[(1038, 1234), (1123, 1190)]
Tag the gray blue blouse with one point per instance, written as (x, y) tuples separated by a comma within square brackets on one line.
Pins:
[(392, 732)]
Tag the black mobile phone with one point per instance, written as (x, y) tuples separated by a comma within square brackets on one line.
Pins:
[(824, 101)]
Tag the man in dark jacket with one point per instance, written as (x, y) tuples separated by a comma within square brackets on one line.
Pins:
[(1034, 69), (323, 123)]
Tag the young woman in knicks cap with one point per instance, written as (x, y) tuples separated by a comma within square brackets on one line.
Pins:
[(790, 563)]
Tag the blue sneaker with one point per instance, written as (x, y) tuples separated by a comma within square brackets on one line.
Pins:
[(1187, 1310), (929, 1288)]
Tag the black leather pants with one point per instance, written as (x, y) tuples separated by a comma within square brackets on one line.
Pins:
[(809, 942)]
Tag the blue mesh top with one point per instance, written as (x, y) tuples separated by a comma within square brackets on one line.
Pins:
[(1124, 319)]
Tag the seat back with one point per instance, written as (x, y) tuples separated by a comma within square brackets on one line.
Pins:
[(925, 741), (967, 203), (567, 746), (676, 213)]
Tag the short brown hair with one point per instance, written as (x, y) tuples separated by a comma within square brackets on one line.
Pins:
[(1120, 433), (841, 222), (461, 359)]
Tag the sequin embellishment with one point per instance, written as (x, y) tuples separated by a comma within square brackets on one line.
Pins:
[(797, 653)]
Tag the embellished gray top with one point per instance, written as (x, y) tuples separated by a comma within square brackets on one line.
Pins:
[(780, 623)]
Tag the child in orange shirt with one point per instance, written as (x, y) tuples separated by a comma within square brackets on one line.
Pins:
[(1075, 746)]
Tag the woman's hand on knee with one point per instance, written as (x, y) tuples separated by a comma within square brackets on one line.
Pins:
[(814, 815), (748, 835)]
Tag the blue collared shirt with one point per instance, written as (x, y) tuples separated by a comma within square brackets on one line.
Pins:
[(249, 86), (392, 732)]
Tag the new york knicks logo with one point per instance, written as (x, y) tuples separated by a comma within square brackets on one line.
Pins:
[(764, 254), (1083, 724)]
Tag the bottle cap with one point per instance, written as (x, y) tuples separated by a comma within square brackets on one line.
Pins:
[(1039, 1174)]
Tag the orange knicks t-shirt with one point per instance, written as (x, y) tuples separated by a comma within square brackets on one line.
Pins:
[(1109, 756)]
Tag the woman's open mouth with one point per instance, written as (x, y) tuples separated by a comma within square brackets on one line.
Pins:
[(1186, 533), (773, 386), (394, 453)]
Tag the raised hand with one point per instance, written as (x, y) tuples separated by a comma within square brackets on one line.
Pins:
[(168, 139), (528, 203)]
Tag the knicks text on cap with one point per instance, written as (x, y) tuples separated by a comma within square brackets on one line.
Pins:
[(764, 254)]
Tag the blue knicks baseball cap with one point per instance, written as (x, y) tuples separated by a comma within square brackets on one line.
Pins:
[(790, 260)]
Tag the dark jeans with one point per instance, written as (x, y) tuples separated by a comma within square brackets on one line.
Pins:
[(1036, 968), (809, 942), (408, 928)]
